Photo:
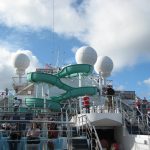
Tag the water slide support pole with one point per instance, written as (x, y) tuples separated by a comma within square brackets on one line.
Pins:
[(20, 76), (100, 83), (104, 78), (80, 98), (36, 90), (44, 124), (43, 95), (49, 90), (100, 88)]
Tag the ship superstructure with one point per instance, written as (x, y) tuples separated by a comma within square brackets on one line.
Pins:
[(75, 99)]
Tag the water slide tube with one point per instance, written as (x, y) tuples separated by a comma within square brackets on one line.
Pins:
[(39, 103), (54, 102), (68, 71), (75, 70), (75, 92), (47, 78)]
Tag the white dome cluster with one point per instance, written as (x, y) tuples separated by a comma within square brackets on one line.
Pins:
[(104, 65), (21, 63), (87, 55)]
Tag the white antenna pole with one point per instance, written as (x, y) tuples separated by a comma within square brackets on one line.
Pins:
[(100, 87), (100, 83), (57, 59)]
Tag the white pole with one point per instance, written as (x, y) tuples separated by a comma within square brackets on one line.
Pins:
[(100, 88), (104, 81), (43, 95), (49, 90), (36, 90), (100, 83), (80, 98), (19, 78)]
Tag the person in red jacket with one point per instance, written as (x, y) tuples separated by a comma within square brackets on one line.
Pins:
[(115, 146), (86, 103)]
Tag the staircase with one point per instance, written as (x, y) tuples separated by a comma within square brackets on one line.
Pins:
[(135, 120), (80, 143), (85, 137), (132, 129), (78, 139)]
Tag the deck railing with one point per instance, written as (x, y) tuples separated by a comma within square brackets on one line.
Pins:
[(87, 129), (62, 141)]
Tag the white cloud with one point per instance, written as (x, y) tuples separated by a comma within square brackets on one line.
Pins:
[(119, 88), (7, 70), (147, 82), (21, 14), (119, 29), (74, 49), (139, 83)]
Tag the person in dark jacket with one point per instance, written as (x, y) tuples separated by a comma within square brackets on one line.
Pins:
[(110, 93), (15, 136)]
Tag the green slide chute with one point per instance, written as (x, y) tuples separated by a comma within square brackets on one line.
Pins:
[(39, 103), (81, 91), (47, 78), (54, 102), (69, 71), (74, 70)]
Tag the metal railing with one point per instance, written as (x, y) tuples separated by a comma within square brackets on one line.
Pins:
[(138, 122), (87, 129), (44, 139)]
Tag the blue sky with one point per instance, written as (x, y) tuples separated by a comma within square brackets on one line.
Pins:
[(50, 31)]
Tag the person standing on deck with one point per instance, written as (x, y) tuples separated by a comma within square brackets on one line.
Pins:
[(144, 106), (16, 104), (86, 103), (138, 104), (110, 92)]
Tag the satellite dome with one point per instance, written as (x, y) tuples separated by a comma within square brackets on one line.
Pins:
[(106, 74), (104, 65), (86, 55), (21, 62)]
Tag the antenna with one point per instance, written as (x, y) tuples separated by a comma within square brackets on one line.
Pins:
[(56, 51), (53, 23), (57, 61)]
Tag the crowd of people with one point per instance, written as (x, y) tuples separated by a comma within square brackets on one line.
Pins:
[(32, 131), (142, 106)]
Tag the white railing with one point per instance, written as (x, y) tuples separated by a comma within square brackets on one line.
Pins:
[(89, 130)]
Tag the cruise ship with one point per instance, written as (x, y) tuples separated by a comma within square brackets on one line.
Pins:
[(71, 108)]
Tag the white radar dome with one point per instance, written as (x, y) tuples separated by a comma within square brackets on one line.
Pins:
[(21, 63), (104, 65), (86, 55)]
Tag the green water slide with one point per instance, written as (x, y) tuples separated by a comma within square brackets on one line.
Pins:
[(75, 92), (39, 103), (74, 70), (47, 78), (69, 71), (54, 102)]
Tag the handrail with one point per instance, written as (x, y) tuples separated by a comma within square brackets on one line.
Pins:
[(128, 106), (91, 129), (44, 130), (141, 120), (148, 120)]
